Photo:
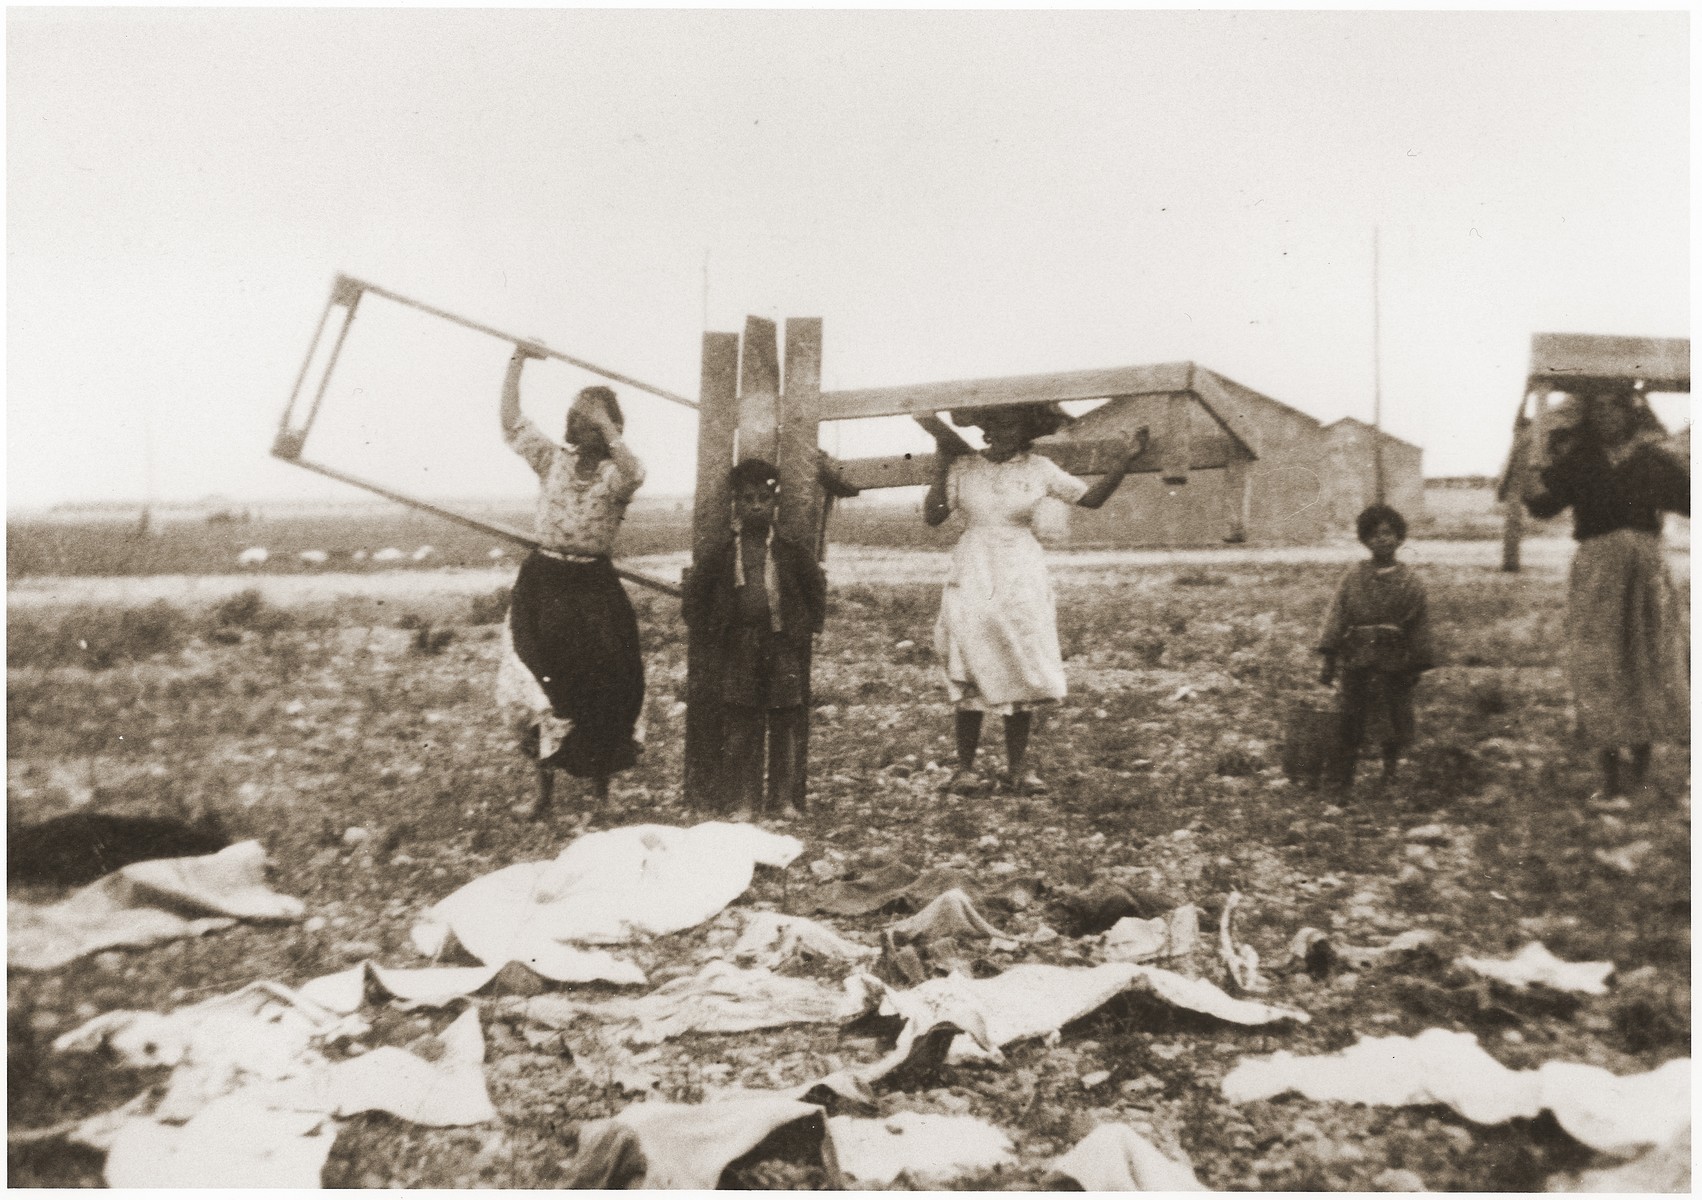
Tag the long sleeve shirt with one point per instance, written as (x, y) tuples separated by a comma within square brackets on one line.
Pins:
[(1379, 617), (1605, 495)]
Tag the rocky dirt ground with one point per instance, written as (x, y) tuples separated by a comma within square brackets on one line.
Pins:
[(297, 724)]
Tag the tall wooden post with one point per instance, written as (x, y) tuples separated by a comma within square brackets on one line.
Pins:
[(718, 417), (802, 501), (759, 391)]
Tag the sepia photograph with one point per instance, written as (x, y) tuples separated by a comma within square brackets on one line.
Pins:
[(864, 599)]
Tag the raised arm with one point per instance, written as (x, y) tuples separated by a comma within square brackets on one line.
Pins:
[(631, 469), (511, 416), (1108, 484), (937, 507)]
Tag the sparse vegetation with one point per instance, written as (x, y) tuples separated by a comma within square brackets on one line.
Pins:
[(1162, 766)]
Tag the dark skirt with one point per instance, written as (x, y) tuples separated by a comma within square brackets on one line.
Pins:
[(575, 630)]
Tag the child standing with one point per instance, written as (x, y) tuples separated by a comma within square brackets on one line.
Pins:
[(759, 598), (1377, 632)]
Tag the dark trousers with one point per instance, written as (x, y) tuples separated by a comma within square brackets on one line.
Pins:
[(744, 763)]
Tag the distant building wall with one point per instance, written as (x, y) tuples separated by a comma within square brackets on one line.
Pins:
[(1308, 483)]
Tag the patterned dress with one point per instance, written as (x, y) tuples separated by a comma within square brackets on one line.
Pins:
[(997, 633)]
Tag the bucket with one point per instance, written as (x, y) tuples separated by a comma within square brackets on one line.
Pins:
[(1311, 739)]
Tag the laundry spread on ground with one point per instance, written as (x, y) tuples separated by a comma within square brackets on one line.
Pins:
[(661, 1145), (1115, 1158), (950, 914), (720, 998), (770, 939), (1536, 964), (607, 888), (1135, 940), (927, 1149), (1037, 999), (253, 1097), (147, 902), (1616, 1114)]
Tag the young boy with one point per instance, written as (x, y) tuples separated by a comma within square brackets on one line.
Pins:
[(1377, 631), (760, 598)]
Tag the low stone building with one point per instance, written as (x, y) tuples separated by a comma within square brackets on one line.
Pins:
[(1290, 478)]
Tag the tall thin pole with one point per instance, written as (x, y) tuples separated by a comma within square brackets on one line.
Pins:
[(1376, 368)]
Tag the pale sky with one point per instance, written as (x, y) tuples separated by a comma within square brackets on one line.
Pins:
[(956, 194)]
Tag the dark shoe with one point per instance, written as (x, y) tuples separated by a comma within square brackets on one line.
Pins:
[(968, 782)]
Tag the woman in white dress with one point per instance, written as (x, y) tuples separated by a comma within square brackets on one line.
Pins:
[(997, 633)]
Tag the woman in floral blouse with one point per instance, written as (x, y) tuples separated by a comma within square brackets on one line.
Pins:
[(571, 622)]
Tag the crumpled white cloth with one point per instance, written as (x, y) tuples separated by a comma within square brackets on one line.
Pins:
[(1537, 964), (927, 1148), (951, 914), (1114, 1158), (415, 987), (1616, 1114), (230, 1144), (147, 902), (770, 938), (663, 1145), (720, 998), (606, 888), (252, 1062), (1037, 999), (1134, 940)]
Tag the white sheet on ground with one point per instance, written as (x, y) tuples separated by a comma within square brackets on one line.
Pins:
[(1115, 1158), (230, 1144), (927, 1148), (770, 938), (422, 987), (147, 902), (1135, 940), (1037, 999), (254, 1058), (1616, 1114), (720, 998), (681, 1145), (1536, 964), (950, 914), (1666, 1168), (606, 888)]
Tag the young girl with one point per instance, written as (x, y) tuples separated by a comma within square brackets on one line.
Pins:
[(759, 598), (1377, 632)]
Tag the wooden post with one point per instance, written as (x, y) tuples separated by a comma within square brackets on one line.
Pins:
[(802, 501), (759, 391), (718, 417)]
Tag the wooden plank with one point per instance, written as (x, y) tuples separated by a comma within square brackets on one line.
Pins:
[(759, 391), (801, 506), (919, 398), (711, 506), (347, 288), (494, 528), (1664, 363), (1078, 458)]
